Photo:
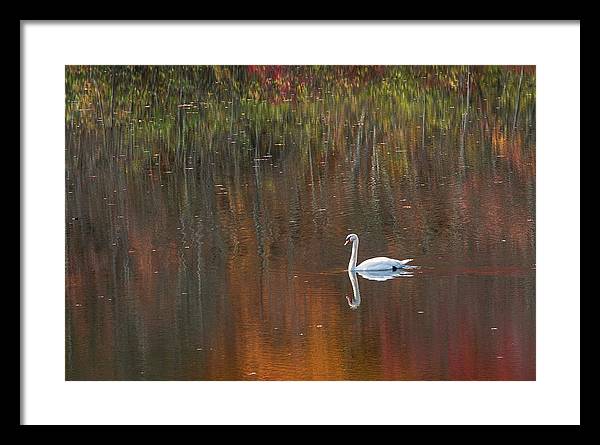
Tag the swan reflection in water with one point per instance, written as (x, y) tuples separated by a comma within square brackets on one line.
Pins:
[(374, 275)]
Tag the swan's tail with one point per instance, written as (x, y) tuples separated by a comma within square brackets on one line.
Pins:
[(404, 264)]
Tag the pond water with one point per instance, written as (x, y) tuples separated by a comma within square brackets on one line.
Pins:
[(197, 252)]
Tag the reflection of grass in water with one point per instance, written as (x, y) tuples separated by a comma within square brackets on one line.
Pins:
[(317, 109)]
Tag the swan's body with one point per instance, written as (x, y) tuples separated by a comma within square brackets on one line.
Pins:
[(372, 264)]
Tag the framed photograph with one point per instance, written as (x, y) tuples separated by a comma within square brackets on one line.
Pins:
[(283, 231)]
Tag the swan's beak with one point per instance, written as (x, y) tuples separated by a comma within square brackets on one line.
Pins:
[(347, 241)]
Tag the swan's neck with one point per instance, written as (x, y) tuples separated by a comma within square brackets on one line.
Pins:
[(354, 256)]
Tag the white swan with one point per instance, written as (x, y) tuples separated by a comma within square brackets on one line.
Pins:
[(378, 263)]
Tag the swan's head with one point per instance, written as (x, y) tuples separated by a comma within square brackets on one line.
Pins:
[(350, 238)]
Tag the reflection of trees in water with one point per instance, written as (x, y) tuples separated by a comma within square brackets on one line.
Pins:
[(189, 104)]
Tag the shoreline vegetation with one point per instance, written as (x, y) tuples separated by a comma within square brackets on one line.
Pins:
[(164, 111)]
